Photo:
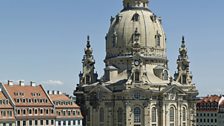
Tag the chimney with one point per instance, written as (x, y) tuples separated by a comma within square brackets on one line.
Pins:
[(60, 93), (49, 92), (33, 84), (21, 83), (54, 92), (10, 83)]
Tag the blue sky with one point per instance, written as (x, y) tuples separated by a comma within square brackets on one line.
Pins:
[(43, 40)]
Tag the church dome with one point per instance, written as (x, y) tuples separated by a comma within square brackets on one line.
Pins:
[(135, 24)]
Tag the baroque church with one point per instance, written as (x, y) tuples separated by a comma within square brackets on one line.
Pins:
[(136, 88)]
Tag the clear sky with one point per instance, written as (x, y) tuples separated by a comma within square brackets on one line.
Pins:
[(43, 40)]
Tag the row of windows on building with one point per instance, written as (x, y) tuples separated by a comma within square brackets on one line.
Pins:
[(207, 106), (68, 112), (34, 111), (6, 124), (22, 94), (206, 114), (5, 113), (4, 102), (29, 100), (63, 103), (138, 116), (206, 120), (70, 123), (35, 122)]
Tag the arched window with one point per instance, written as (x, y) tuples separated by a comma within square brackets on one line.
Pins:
[(184, 116), (120, 116), (172, 116), (154, 115), (158, 39), (165, 75), (135, 17), (101, 115), (137, 116), (114, 39)]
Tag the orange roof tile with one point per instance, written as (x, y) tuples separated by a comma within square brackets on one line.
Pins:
[(209, 99), (62, 99), (4, 105), (26, 93)]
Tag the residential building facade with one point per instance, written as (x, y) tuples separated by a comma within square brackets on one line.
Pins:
[(136, 88), (7, 117), (31, 105), (67, 112), (210, 111)]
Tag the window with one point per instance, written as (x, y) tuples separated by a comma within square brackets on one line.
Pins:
[(114, 38), (135, 17), (41, 122), (63, 112), (24, 112), (35, 111), (18, 123), (184, 114), (101, 115), (64, 123), (10, 113), (18, 111), (36, 123), (120, 116), (137, 115), (52, 111), (30, 111), (24, 123), (137, 95), (52, 122), (47, 111), (137, 76), (158, 39), (47, 122), (154, 115), (165, 75), (69, 122), (41, 111), (172, 116), (30, 123)]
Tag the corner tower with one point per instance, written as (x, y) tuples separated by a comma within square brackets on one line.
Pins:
[(136, 88)]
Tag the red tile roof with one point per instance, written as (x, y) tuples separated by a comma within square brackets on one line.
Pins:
[(4, 105), (209, 99), (63, 101), (32, 95)]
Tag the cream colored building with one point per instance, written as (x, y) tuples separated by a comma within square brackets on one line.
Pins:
[(136, 89)]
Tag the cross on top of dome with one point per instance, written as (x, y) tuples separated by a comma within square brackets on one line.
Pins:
[(135, 4)]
